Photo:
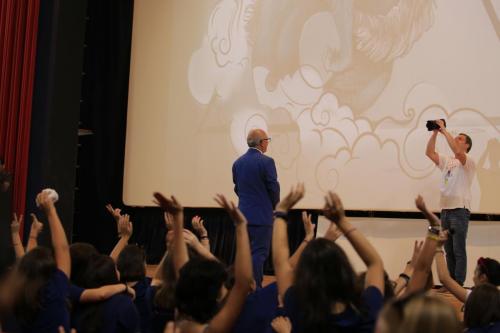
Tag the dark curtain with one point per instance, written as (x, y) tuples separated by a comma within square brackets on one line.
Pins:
[(102, 120), (18, 40)]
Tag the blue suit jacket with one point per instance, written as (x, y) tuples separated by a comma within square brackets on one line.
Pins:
[(256, 184)]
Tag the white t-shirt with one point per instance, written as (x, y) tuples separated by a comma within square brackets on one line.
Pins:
[(456, 181)]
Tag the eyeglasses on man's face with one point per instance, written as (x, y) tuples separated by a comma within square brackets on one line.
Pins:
[(266, 139)]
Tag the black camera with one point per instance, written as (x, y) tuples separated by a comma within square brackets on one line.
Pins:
[(432, 125)]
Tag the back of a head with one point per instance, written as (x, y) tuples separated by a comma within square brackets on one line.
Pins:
[(254, 137), (491, 268), (419, 313), (37, 263), (131, 264), (80, 258), (33, 272), (198, 289), (482, 306), (323, 276), (101, 271)]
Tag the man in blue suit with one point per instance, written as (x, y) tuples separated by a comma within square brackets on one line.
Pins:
[(256, 184)]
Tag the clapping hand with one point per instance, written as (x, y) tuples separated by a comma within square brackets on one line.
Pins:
[(198, 226), (125, 227), (169, 221), (334, 210), (295, 194), (233, 211), (169, 205), (333, 232), (308, 226)]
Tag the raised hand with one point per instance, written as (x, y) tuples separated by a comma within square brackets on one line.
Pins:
[(169, 220), (233, 211), (44, 201), (115, 212), (16, 223), (417, 248), (333, 210), (333, 232), (125, 227), (198, 226), (36, 226), (440, 123), (169, 205), (420, 203), (308, 226), (295, 194), (190, 238)]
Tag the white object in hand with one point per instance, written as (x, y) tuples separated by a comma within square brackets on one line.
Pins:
[(52, 194)]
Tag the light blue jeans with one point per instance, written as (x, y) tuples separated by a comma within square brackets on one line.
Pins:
[(456, 220)]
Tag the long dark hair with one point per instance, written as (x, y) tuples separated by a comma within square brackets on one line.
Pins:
[(482, 306), (324, 276), (165, 296), (33, 271), (101, 271)]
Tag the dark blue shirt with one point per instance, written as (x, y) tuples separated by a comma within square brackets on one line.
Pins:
[(118, 315), (258, 311), (348, 321), (492, 328), (144, 303), (54, 306)]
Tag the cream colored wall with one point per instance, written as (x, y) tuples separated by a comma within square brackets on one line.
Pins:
[(394, 239)]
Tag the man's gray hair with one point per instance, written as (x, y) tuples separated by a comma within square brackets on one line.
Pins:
[(254, 138)]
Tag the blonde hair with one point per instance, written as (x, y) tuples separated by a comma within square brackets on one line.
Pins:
[(420, 313)]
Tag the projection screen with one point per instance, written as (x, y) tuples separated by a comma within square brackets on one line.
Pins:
[(344, 89)]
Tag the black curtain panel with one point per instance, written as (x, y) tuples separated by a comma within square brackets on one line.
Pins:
[(103, 115)]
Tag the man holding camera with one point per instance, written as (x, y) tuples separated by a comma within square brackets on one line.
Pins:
[(456, 180)]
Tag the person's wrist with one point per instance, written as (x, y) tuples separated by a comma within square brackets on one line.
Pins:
[(281, 214)]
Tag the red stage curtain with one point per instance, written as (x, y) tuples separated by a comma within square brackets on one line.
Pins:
[(18, 35)]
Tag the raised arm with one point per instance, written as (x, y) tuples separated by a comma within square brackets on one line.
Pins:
[(281, 251), (59, 240), (199, 227), (334, 211), (195, 244), (125, 230), (36, 229), (461, 156), (430, 151), (243, 278), (16, 238), (309, 230), (404, 278), (422, 267), (179, 247), (444, 276)]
